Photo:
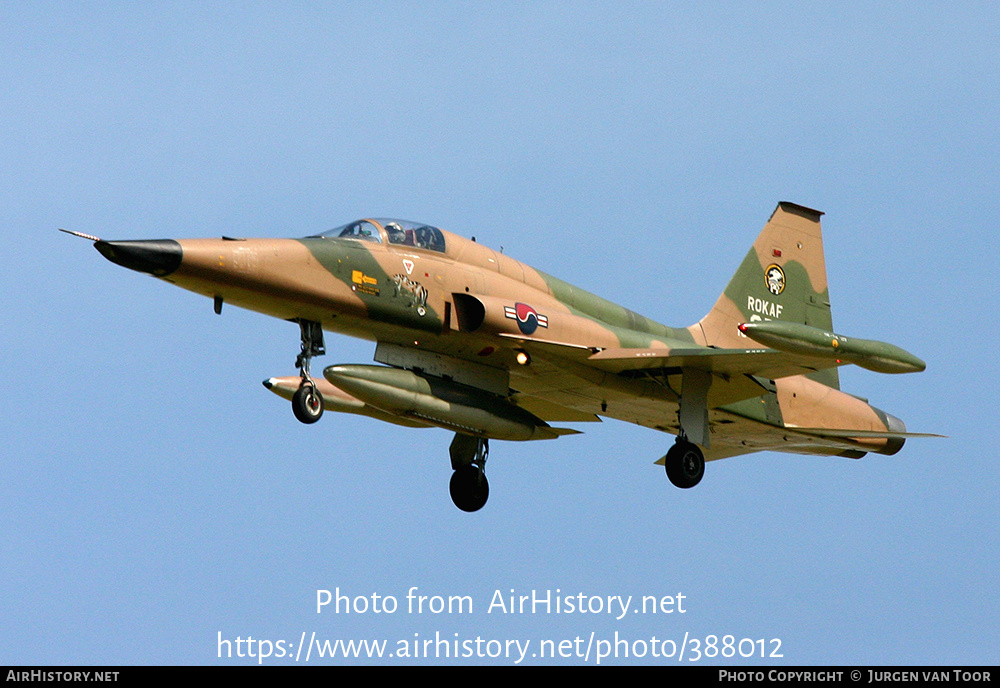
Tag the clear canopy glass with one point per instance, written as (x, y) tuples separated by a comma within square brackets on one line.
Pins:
[(406, 233), (398, 232)]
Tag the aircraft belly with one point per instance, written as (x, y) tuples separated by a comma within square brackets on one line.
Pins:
[(285, 303)]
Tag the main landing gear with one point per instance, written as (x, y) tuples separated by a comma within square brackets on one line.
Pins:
[(307, 402), (469, 487), (685, 463)]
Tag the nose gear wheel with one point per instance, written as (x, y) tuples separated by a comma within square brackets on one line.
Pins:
[(307, 402)]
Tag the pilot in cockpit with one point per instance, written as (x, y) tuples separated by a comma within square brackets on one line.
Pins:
[(396, 233)]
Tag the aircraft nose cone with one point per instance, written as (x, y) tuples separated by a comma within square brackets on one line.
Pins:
[(158, 257)]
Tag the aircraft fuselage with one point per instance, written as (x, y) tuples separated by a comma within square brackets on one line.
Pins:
[(480, 344)]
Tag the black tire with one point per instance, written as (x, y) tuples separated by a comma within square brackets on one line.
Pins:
[(307, 404), (469, 488), (685, 464)]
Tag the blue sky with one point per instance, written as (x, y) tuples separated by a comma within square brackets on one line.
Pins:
[(156, 496)]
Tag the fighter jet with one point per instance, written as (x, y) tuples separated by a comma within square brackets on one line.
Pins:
[(479, 344)]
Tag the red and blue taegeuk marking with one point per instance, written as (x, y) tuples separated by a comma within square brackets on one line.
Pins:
[(528, 319)]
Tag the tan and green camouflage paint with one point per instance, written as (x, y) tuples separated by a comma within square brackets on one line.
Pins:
[(371, 290), (792, 241)]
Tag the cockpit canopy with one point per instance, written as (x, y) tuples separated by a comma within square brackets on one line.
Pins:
[(399, 232)]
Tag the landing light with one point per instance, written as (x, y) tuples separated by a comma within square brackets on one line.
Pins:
[(522, 358)]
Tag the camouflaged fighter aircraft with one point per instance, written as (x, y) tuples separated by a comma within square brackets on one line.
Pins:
[(475, 342)]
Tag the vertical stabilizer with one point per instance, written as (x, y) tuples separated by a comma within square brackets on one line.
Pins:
[(782, 277)]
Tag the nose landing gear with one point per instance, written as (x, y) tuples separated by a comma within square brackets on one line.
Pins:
[(307, 402)]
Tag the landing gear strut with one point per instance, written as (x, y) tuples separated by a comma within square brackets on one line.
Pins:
[(685, 463), (469, 487), (307, 402)]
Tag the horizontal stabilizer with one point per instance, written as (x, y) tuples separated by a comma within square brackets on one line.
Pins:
[(862, 434)]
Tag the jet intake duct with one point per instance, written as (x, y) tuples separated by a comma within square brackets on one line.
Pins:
[(490, 315), (529, 319), (469, 311)]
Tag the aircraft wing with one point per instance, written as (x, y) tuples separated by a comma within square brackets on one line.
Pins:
[(766, 363), (737, 374)]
